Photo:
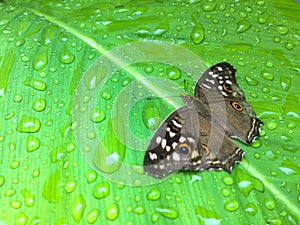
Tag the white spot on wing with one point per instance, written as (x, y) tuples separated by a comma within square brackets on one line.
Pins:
[(152, 156), (158, 139), (176, 124), (176, 156), (168, 148), (228, 82), (163, 143), (182, 139), (172, 134), (174, 145)]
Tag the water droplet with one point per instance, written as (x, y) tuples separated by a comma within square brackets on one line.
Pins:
[(16, 204), (34, 83), (207, 216), (10, 192), (289, 45), (40, 60), (281, 29), (93, 216), (66, 56), (9, 115), (112, 212), (154, 218), (269, 203), (106, 95), (227, 180), (125, 82), (51, 191), (15, 164), (231, 205), (288, 167), (91, 176), (267, 75), (29, 198), (173, 73), (256, 143), (167, 212), (208, 6), (57, 154), (153, 194), (19, 42), (32, 143), (139, 210), (225, 192), (29, 124), (39, 105), (101, 190), (247, 183), (251, 209), (36, 173), (242, 26), (271, 125), (97, 116), (251, 81), (2, 180), (94, 76), (197, 34), (21, 218), (70, 186), (18, 98), (151, 115), (78, 208), (285, 83)]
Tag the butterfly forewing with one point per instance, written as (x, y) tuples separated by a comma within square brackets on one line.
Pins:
[(172, 144)]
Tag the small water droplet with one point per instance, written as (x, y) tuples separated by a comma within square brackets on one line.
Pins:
[(269, 203), (39, 105), (227, 180), (32, 143), (153, 194), (242, 26), (271, 125), (70, 186), (29, 198), (21, 218), (91, 176), (97, 116), (197, 34), (112, 212), (101, 190), (2, 180), (15, 164), (208, 6), (251, 81), (16, 204), (139, 210), (225, 192), (167, 212), (29, 124), (173, 73), (93, 215), (231, 205), (66, 56), (267, 75), (251, 209)]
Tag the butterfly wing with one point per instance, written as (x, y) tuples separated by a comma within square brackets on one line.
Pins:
[(217, 88), (172, 145)]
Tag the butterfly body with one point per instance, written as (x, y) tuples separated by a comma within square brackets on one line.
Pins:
[(197, 136)]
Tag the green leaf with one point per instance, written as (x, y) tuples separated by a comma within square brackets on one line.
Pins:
[(49, 47)]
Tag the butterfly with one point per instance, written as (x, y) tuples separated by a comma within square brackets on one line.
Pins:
[(198, 135)]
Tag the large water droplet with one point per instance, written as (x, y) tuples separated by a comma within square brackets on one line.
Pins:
[(281, 29), (93, 215), (29, 124), (78, 208), (288, 167), (66, 56), (29, 198), (151, 116), (40, 60), (36, 84), (112, 212)]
